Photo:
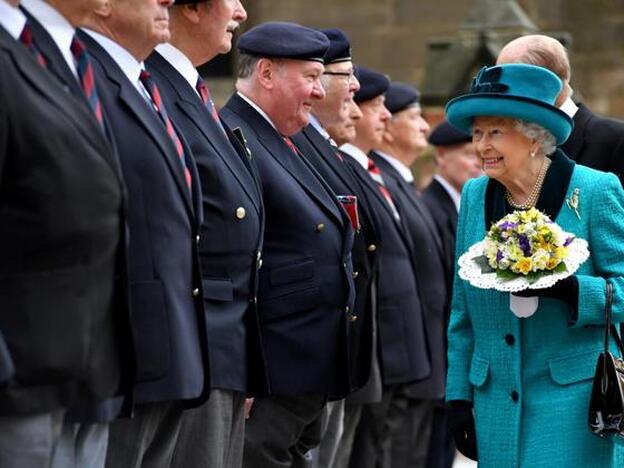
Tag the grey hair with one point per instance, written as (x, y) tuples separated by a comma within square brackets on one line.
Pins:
[(246, 65), (547, 142)]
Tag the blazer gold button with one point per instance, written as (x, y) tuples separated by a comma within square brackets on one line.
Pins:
[(319, 227), (372, 248), (347, 309), (355, 274), (197, 238), (240, 212), (353, 318), (259, 263), (195, 292)]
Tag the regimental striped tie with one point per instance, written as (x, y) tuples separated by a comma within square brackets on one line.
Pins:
[(204, 93), (375, 173), (154, 93), (87, 78), (26, 38), (291, 145)]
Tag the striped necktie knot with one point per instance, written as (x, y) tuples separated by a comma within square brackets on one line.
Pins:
[(26, 38), (150, 86), (375, 174), (84, 68), (206, 98)]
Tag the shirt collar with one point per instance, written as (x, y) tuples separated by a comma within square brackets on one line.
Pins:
[(356, 153), (12, 19), (180, 62), (257, 108), (130, 66), (319, 128), (569, 107), (61, 31), (401, 168), (454, 194)]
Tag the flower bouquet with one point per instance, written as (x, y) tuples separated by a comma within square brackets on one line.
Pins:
[(523, 250)]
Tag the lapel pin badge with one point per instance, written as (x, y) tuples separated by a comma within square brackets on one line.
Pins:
[(574, 201)]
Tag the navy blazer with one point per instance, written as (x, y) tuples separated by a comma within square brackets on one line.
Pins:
[(596, 142), (165, 284), (61, 218), (444, 214), (330, 164), (431, 275), (306, 292), (402, 335), (231, 234)]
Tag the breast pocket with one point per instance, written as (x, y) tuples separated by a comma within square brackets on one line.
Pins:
[(218, 289)]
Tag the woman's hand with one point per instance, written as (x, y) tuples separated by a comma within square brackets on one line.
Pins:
[(462, 426)]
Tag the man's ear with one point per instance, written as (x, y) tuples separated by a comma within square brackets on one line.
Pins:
[(266, 70), (192, 11), (105, 10)]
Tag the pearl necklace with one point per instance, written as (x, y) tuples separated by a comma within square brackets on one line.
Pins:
[(535, 191)]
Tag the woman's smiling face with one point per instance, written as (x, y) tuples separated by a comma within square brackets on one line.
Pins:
[(503, 150)]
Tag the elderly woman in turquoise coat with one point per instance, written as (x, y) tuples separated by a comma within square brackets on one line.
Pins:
[(527, 381)]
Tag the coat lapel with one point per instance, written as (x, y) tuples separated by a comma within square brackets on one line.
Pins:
[(140, 108), (573, 146)]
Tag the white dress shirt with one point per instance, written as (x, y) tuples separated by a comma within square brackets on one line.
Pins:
[(356, 153), (255, 106), (569, 107), (61, 31), (129, 65), (401, 168), (180, 62), (12, 19), (454, 194)]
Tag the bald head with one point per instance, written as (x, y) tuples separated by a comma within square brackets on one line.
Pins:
[(543, 51)]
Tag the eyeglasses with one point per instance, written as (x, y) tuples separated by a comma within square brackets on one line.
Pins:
[(348, 75)]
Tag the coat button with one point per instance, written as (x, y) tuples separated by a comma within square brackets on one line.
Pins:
[(197, 239), (195, 292), (355, 274), (319, 227), (240, 212), (254, 300), (353, 318), (515, 396), (372, 248), (347, 309), (259, 263), (510, 339)]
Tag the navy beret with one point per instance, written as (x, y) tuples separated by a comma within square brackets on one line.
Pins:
[(444, 134), (284, 40), (339, 46), (400, 96), (372, 84)]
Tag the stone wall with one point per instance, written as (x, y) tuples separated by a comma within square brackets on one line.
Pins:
[(391, 36)]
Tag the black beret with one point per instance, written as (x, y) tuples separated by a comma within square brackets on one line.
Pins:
[(284, 40), (372, 84), (339, 46), (400, 96), (444, 134)]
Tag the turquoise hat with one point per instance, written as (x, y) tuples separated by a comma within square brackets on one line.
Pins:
[(518, 91)]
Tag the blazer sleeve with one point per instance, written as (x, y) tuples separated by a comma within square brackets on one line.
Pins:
[(606, 247), (460, 335)]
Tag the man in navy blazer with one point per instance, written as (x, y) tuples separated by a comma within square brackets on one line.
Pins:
[(61, 213), (595, 141), (230, 249), (164, 214), (306, 294), (405, 139), (316, 145), (402, 336)]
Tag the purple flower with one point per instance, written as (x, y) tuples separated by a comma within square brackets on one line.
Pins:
[(525, 245), (499, 256), (568, 241), (507, 225)]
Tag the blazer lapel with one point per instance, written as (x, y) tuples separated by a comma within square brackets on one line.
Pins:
[(140, 108)]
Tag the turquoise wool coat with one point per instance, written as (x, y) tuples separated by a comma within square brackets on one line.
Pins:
[(546, 360)]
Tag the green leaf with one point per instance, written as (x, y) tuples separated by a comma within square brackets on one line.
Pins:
[(483, 263), (506, 275), (561, 268)]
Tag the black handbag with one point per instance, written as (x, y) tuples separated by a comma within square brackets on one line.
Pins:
[(606, 406)]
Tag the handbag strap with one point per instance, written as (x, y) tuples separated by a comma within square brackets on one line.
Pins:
[(609, 326)]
